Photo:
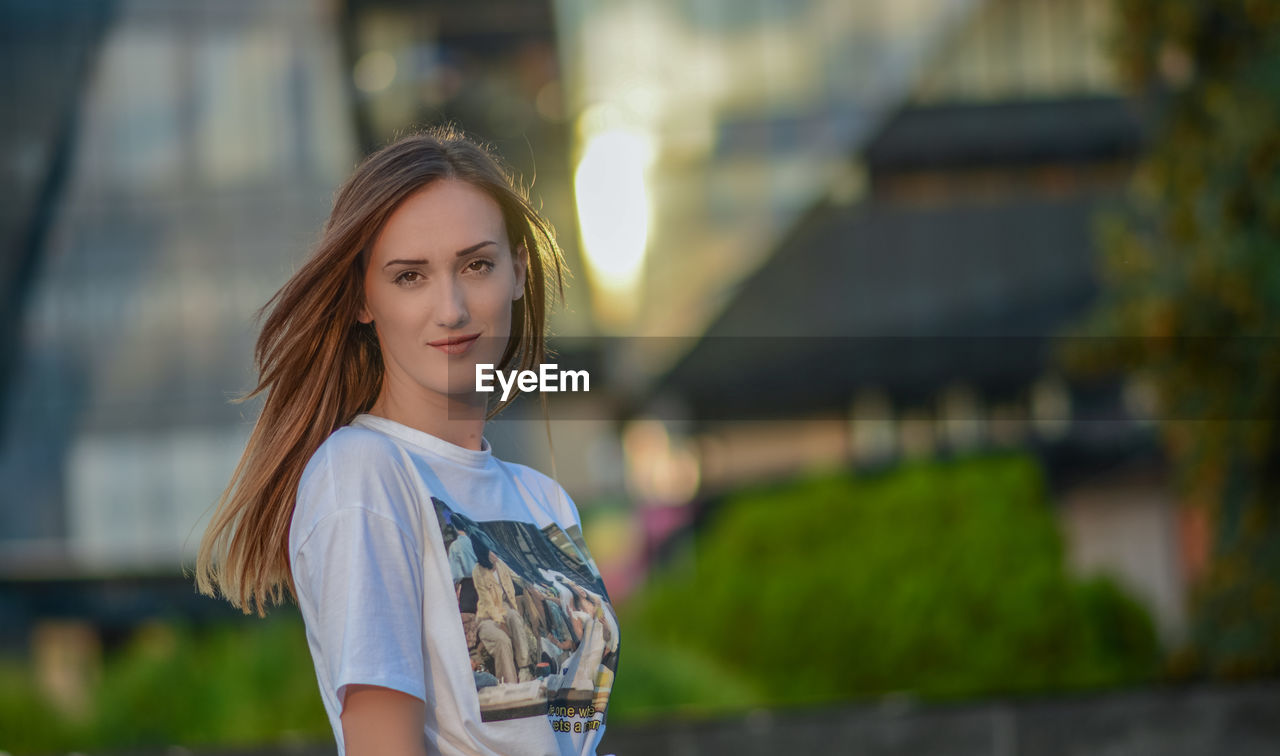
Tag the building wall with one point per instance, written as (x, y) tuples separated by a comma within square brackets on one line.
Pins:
[(1125, 524)]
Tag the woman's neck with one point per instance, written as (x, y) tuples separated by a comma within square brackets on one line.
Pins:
[(461, 423)]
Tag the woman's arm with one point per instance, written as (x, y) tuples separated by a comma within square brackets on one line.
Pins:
[(378, 721)]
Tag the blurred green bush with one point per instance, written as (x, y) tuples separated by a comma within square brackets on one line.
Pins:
[(938, 579), (174, 684)]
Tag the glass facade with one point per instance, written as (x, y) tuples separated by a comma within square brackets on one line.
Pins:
[(209, 140), (1014, 50), (673, 143)]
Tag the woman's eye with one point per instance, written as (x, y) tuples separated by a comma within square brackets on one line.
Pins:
[(408, 277), (481, 265)]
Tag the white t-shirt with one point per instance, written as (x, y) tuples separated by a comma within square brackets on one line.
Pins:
[(379, 506)]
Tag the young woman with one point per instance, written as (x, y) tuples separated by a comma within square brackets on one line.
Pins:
[(369, 493)]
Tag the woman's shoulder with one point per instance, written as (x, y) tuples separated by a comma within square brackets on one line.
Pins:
[(350, 451), (357, 442), (354, 468)]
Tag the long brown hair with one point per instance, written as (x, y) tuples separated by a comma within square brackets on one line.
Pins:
[(319, 367)]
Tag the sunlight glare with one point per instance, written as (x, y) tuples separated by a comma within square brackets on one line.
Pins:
[(613, 206)]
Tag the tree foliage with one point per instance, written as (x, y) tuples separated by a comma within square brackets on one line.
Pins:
[(1191, 298)]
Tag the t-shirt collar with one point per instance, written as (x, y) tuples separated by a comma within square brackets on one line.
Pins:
[(424, 440)]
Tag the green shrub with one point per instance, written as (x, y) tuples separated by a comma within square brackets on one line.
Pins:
[(231, 684), (174, 684), (27, 722), (938, 579), (661, 679)]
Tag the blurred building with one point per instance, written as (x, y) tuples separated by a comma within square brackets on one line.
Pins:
[(700, 132), (703, 128), (200, 147), (721, 173), (914, 306)]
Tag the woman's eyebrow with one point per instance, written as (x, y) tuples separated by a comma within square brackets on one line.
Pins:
[(421, 261)]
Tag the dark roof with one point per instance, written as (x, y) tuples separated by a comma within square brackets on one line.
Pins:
[(911, 297), (1003, 133)]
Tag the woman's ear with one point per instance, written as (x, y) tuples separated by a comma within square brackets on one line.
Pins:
[(363, 315), (520, 258)]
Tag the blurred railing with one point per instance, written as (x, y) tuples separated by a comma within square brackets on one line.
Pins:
[(1201, 720)]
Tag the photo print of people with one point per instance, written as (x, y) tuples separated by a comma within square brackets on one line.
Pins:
[(540, 630)]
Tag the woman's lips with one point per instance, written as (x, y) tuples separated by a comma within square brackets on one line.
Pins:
[(455, 344)]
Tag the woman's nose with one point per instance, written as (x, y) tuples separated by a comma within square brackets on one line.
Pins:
[(451, 305)]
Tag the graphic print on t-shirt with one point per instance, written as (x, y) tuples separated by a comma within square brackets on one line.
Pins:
[(540, 630)]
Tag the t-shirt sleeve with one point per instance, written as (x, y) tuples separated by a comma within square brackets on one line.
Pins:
[(364, 573)]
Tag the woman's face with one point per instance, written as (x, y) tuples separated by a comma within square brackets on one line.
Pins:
[(439, 288)]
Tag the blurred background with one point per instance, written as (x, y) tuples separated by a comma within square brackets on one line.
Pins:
[(935, 402)]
